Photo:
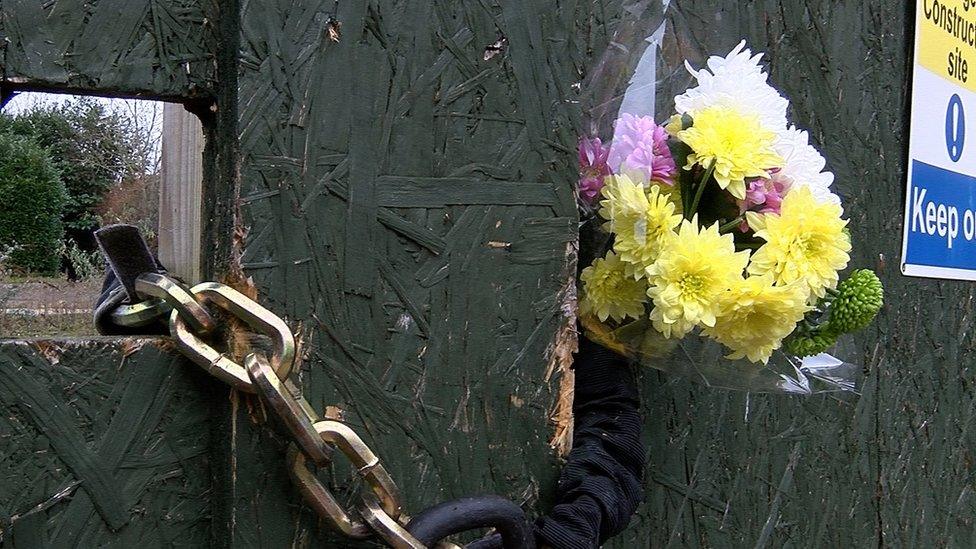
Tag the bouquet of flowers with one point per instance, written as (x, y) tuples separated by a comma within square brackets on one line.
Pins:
[(721, 226)]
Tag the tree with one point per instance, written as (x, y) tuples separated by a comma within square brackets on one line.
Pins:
[(32, 198), (91, 147)]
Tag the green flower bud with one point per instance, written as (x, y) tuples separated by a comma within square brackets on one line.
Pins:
[(810, 345), (858, 300)]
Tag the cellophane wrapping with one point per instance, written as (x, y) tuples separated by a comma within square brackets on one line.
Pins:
[(713, 245)]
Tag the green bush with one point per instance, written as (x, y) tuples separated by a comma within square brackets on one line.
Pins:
[(32, 198), (89, 145)]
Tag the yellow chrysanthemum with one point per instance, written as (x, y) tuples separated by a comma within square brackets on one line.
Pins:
[(737, 145), (754, 316), (686, 282), (673, 194), (642, 220), (806, 242), (609, 291)]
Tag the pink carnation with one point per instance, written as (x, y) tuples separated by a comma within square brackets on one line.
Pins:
[(593, 167), (641, 145), (763, 196)]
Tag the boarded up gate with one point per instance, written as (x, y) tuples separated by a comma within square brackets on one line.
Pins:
[(364, 160)]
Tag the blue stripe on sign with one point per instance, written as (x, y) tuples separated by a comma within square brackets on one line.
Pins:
[(941, 218)]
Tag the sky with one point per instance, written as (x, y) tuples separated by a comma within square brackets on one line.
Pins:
[(148, 114), (28, 100)]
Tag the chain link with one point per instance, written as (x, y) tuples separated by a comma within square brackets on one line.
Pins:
[(321, 500), (366, 462), (315, 439), (293, 410), (140, 314), (385, 525), (178, 298), (251, 313)]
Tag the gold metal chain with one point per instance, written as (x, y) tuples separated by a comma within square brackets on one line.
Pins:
[(314, 439)]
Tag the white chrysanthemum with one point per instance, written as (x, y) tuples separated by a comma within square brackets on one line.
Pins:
[(736, 81), (803, 165)]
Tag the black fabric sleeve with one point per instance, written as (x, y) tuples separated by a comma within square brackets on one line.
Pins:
[(600, 486)]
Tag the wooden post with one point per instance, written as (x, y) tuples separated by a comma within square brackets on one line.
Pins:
[(180, 192)]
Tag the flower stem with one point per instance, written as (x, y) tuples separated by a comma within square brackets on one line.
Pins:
[(701, 190), (686, 187), (732, 224)]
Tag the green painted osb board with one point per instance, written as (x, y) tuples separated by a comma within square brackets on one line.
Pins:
[(156, 48), (102, 445), (409, 203)]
